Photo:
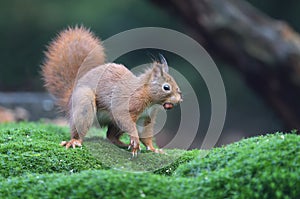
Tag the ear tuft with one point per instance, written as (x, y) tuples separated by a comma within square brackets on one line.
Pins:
[(164, 63), (157, 70)]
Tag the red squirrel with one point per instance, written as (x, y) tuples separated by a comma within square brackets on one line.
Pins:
[(85, 86)]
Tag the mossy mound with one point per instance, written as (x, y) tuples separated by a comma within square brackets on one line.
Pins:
[(29, 147), (34, 166), (113, 157), (32, 147), (260, 167)]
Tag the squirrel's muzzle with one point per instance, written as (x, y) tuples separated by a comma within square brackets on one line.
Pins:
[(172, 101), (168, 105)]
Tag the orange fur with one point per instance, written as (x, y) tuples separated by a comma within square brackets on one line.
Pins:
[(63, 59), (75, 73)]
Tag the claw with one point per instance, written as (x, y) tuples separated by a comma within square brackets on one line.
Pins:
[(134, 146), (72, 143), (134, 154), (160, 151)]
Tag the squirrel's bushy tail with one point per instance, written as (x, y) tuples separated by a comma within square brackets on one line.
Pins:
[(74, 52)]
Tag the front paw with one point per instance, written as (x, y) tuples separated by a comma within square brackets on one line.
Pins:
[(72, 142), (160, 151), (134, 145)]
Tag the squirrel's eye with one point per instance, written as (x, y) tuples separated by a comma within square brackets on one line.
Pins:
[(166, 87)]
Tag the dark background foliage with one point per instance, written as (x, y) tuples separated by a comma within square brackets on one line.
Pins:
[(28, 26)]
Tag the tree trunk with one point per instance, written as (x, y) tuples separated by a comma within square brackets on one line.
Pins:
[(264, 50)]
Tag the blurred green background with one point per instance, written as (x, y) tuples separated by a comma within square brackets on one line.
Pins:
[(27, 27)]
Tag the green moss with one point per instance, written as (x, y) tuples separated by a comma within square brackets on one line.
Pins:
[(120, 159), (32, 147), (94, 184), (168, 170), (261, 167), (29, 147), (33, 165)]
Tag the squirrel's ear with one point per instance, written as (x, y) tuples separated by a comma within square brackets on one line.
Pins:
[(157, 70), (164, 63)]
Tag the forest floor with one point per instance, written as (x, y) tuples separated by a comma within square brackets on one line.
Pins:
[(33, 165)]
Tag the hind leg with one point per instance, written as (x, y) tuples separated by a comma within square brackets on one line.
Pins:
[(82, 113), (146, 136), (114, 134)]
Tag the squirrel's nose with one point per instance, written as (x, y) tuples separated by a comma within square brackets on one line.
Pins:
[(179, 98)]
